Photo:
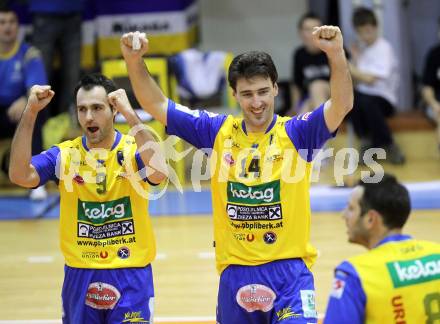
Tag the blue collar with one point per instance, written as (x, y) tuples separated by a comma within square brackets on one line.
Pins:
[(115, 143), (394, 238), (243, 125)]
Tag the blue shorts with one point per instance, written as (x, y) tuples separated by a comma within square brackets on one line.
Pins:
[(108, 296), (277, 292)]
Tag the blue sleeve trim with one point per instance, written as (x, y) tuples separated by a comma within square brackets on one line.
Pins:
[(309, 132), (45, 164), (141, 165), (347, 300), (197, 127)]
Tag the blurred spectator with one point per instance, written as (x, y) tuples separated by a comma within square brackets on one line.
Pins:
[(431, 85), (375, 72), (21, 67), (57, 25), (311, 72)]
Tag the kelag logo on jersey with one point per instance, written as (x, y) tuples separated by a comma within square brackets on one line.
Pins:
[(102, 212), (254, 195), (411, 272)]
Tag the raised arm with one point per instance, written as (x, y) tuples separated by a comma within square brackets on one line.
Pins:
[(152, 155), (146, 90), (21, 171), (329, 40)]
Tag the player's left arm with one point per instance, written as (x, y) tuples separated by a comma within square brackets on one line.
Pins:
[(329, 40), (149, 150), (347, 300)]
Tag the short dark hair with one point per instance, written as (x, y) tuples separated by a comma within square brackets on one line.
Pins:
[(5, 8), (92, 80), (363, 16), (307, 15), (251, 64), (389, 198)]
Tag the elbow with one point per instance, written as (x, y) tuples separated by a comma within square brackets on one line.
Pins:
[(349, 105), (14, 175), (344, 106), (19, 178), (16, 178)]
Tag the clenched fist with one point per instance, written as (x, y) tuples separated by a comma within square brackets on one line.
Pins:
[(39, 97), (118, 99), (141, 45), (328, 39)]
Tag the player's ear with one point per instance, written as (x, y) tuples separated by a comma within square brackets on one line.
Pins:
[(373, 218), (275, 87)]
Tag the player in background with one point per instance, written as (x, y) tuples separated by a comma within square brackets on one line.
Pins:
[(398, 279), (106, 234)]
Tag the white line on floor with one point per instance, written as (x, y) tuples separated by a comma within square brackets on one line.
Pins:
[(206, 255), (40, 259)]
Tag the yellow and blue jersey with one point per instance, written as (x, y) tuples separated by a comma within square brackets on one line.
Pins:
[(104, 221), (20, 69), (260, 182), (396, 282)]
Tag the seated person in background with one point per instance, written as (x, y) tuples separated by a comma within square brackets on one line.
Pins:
[(311, 72), (431, 85), (375, 73), (20, 68), (397, 280)]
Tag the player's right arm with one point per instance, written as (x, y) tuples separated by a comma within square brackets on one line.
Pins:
[(198, 128), (347, 300), (21, 171), (146, 90)]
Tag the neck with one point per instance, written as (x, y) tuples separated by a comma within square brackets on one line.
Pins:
[(6, 47), (375, 239), (106, 143), (258, 129)]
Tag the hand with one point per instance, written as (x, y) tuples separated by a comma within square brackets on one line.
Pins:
[(39, 97), (328, 39), (16, 109), (118, 100), (127, 46)]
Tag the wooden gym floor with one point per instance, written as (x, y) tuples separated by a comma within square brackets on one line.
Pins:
[(186, 282)]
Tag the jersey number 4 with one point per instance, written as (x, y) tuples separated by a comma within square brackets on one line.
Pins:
[(254, 167)]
